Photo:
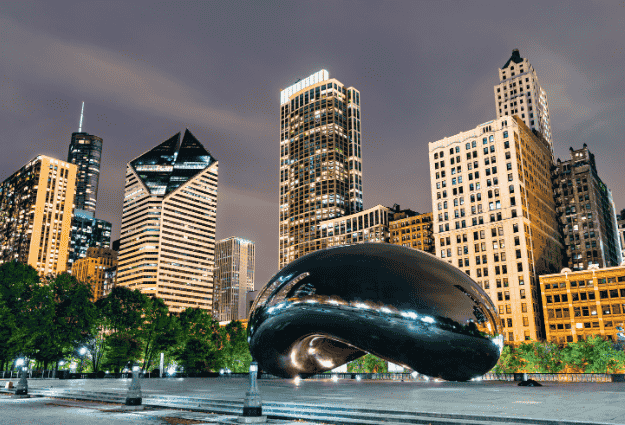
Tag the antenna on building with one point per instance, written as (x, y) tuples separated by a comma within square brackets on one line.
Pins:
[(81, 113)]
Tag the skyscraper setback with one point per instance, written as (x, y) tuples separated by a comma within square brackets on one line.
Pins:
[(519, 93), (320, 161), (167, 245)]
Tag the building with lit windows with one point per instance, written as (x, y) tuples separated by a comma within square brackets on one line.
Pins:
[(85, 150), (519, 93), (320, 161), (586, 213), (578, 304), (87, 232), (93, 269), (234, 277), (413, 232), (494, 216), (370, 225), (167, 241), (621, 233), (36, 205)]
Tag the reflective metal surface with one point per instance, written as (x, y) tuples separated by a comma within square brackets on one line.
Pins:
[(406, 306)]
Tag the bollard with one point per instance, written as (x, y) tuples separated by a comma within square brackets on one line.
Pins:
[(21, 391), (252, 406), (133, 396)]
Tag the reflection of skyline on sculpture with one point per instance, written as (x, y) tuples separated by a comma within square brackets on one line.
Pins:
[(406, 306)]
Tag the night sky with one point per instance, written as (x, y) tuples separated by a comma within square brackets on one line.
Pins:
[(425, 70)]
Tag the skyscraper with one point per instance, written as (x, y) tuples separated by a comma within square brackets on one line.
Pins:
[(520, 93), (36, 213), (234, 277), (586, 213), (167, 244), (494, 216), (320, 160), (85, 150)]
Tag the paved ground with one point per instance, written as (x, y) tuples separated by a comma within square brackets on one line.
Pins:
[(48, 411), (597, 402)]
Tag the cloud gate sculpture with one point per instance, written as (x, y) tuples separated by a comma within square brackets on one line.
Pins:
[(406, 306)]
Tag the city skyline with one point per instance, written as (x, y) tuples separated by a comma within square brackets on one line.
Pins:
[(421, 81)]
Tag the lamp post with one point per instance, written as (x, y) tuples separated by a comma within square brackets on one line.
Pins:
[(252, 406), (82, 353)]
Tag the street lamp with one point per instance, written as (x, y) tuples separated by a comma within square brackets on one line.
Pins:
[(82, 353), (252, 406)]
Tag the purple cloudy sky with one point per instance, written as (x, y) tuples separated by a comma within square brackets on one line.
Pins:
[(425, 70)]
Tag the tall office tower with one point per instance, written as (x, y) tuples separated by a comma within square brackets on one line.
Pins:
[(320, 160), (167, 244), (234, 277), (621, 232), (413, 231), (93, 268), (586, 213), (85, 150), (494, 216), (36, 205), (519, 93)]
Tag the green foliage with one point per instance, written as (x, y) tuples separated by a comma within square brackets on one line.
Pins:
[(594, 355), (122, 348), (235, 351), (200, 341), (158, 331), (368, 364), (541, 357), (509, 361), (123, 309)]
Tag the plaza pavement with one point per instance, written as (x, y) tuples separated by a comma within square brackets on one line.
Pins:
[(585, 403)]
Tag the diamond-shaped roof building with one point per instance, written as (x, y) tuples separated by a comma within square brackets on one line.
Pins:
[(172, 163)]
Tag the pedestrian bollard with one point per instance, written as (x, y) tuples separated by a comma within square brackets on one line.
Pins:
[(21, 391), (133, 396), (252, 406)]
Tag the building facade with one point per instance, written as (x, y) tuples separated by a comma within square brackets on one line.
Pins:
[(494, 216), (578, 304), (87, 232), (234, 277), (167, 241), (520, 93), (36, 205), (320, 161), (370, 225), (586, 213), (621, 233), (85, 151), (413, 232), (94, 269)]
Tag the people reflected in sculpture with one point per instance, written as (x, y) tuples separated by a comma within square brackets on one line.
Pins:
[(406, 306)]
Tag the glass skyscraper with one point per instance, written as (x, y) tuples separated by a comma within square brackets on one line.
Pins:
[(85, 151), (320, 161), (167, 241)]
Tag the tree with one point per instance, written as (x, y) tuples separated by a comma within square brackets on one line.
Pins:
[(122, 348), (368, 364), (541, 357), (235, 351), (123, 309), (18, 282), (509, 361), (159, 330), (593, 355), (200, 341)]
